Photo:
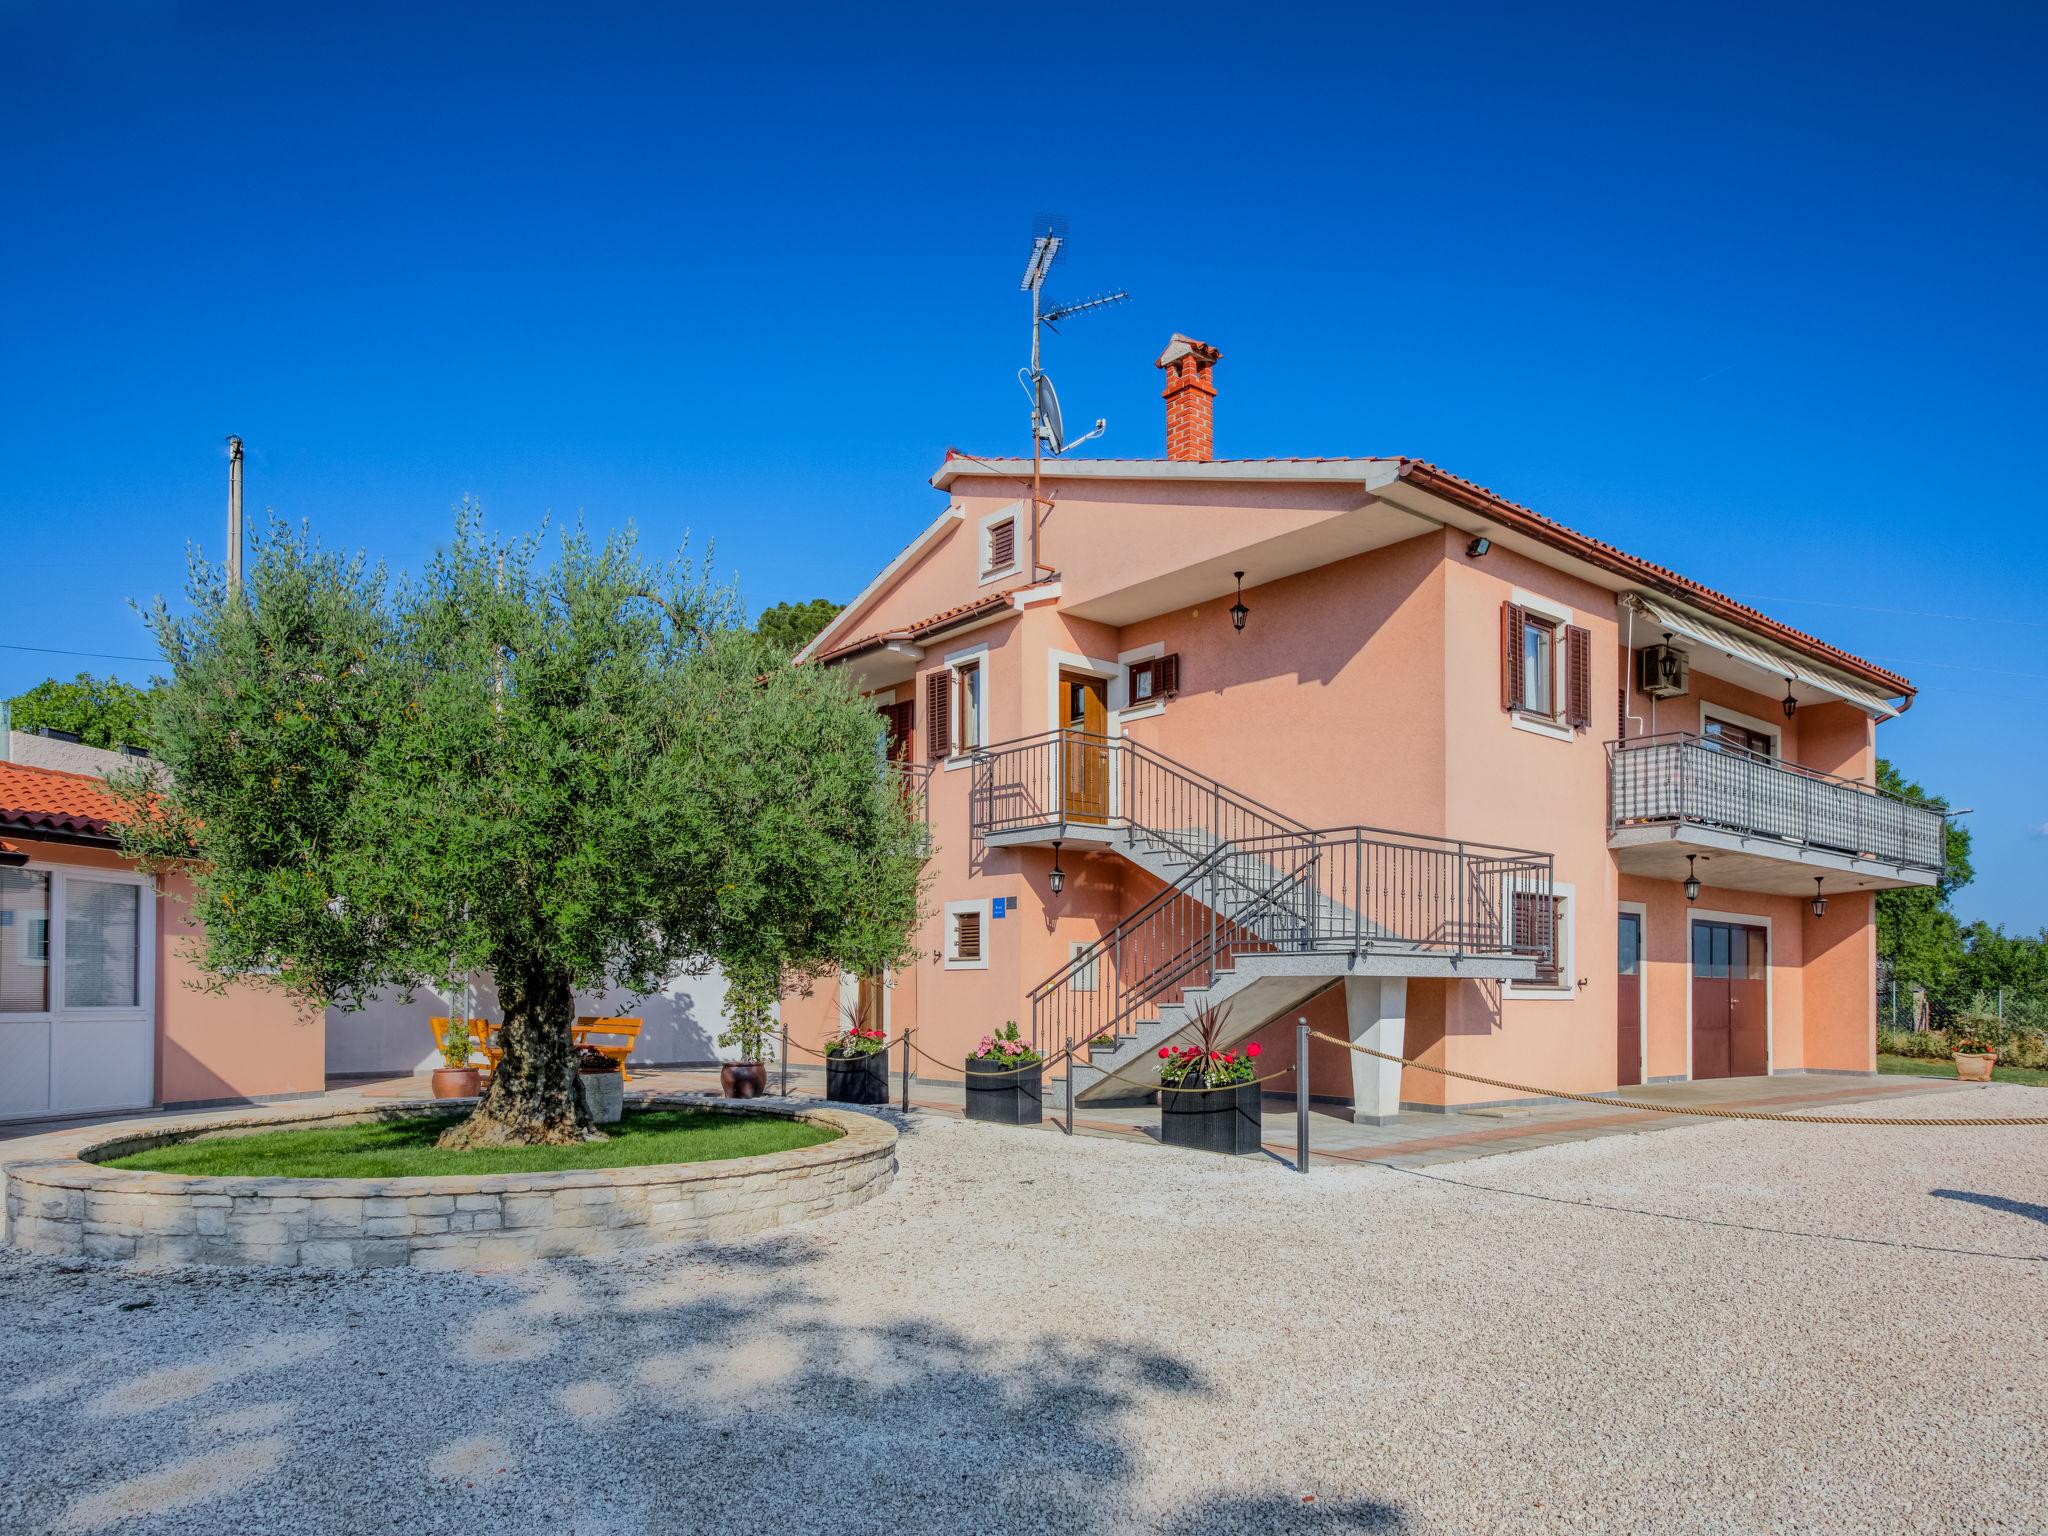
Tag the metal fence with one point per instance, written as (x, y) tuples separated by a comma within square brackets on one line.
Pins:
[(1679, 777)]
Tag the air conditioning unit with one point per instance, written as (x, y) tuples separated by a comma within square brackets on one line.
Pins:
[(1662, 671)]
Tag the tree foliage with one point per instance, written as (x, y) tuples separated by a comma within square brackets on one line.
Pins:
[(575, 772), (1923, 943), (789, 627), (103, 711)]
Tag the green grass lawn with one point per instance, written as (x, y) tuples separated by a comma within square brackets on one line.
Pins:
[(1916, 1066), (405, 1148)]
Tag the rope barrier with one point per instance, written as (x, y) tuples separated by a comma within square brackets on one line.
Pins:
[(1698, 1112)]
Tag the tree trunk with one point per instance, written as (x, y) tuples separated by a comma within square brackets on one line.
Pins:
[(532, 1097)]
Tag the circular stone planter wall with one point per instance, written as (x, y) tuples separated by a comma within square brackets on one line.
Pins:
[(67, 1205)]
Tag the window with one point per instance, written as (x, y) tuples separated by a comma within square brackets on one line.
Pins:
[(970, 705), (1546, 667), (1158, 678), (999, 555), (1727, 735), (1083, 978), (966, 935), (24, 941), (1542, 926), (102, 943)]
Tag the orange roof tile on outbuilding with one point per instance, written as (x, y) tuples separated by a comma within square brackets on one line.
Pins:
[(47, 800)]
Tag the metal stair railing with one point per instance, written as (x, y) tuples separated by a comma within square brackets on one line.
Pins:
[(1342, 891)]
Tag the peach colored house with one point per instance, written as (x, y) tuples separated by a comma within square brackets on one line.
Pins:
[(97, 1008), (1433, 771)]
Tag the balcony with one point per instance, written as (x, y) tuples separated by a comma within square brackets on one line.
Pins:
[(1759, 824)]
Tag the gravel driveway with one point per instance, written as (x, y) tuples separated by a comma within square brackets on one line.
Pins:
[(1727, 1328)]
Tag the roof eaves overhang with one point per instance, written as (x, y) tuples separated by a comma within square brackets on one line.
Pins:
[(1369, 473), (1499, 514)]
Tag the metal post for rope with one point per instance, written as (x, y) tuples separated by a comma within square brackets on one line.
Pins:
[(785, 1058), (1070, 1085), (1301, 1095), (906, 1068)]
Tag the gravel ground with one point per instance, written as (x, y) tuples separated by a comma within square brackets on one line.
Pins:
[(1727, 1328)]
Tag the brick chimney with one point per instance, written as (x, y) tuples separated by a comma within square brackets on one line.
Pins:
[(1190, 396)]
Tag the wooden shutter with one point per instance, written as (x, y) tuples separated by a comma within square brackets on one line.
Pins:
[(1002, 545), (1578, 678), (1166, 675), (938, 715), (967, 935), (1512, 618), (1535, 931)]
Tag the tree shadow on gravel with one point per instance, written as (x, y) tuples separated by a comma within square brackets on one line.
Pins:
[(706, 1389)]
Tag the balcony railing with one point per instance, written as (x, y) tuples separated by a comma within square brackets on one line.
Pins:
[(1678, 778)]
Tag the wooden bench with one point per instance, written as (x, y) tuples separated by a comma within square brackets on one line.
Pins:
[(480, 1038), (590, 1024)]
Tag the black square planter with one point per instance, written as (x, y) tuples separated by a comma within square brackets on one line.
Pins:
[(1227, 1120), (1017, 1097), (857, 1079)]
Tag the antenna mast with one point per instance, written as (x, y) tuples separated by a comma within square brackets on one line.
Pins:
[(234, 514), (1048, 241)]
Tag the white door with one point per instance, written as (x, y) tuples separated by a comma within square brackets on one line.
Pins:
[(77, 992)]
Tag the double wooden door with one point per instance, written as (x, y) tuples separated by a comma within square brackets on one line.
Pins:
[(1730, 1001)]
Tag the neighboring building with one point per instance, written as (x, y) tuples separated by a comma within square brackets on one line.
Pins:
[(680, 1025), (98, 1007), (1557, 732)]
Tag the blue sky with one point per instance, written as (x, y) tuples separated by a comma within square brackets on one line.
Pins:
[(1754, 295)]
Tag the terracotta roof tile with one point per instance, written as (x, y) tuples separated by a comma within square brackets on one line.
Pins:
[(45, 800), (924, 626)]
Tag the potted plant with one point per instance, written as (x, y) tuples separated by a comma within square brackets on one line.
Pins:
[(600, 1085), (856, 1059), (1974, 1058), (1005, 1079), (750, 995), (1207, 1098), (456, 1078)]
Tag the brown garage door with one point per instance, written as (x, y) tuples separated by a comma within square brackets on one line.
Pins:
[(1730, 1012)]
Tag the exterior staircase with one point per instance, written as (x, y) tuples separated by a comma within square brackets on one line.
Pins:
[(1258, 912)]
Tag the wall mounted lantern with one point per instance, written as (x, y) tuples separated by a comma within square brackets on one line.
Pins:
[(1692, 879), (1820, 901), (1058, 879), (1791, 704), (1238, 611)]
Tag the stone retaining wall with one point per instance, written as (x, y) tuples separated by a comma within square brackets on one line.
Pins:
[(64, 1204)]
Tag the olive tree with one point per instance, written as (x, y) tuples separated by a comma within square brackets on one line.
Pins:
[(573, 769)]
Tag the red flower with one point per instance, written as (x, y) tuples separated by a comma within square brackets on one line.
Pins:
[(1164, 1052), (1252, 1049)]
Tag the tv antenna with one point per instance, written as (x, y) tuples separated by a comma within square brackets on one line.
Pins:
[(1048, 428)]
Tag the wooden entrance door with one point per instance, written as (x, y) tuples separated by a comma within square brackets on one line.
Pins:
[(1628, 1006), (1084, 753), (1730, 1007)]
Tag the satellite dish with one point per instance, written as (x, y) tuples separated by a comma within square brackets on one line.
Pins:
[(1050, 428)]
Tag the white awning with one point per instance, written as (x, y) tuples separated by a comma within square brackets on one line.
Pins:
[(1751, 651)]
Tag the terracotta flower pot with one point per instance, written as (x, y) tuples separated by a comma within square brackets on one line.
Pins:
[(743, 1079), (1972, 1068), (458, 1082)]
